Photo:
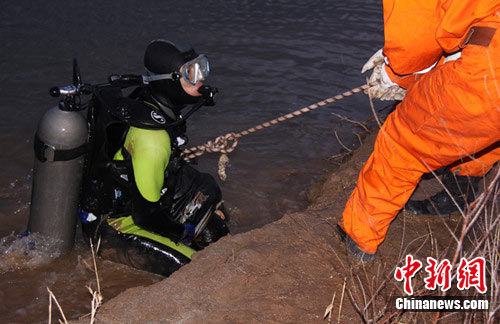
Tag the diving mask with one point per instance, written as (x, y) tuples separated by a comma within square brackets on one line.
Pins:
[(193, 71)]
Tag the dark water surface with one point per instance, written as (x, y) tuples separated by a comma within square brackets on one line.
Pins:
[(268, 58)]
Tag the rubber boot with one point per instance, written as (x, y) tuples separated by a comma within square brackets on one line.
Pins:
[(353, 248), (462, 188)]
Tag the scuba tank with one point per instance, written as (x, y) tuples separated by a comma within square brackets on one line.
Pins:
[(60, 147)]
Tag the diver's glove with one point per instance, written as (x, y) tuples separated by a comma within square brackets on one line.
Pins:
[(385, 88), (209, 94), (188, 233)]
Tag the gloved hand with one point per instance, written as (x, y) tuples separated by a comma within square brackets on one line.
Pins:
[(385, 89), (188, 233)]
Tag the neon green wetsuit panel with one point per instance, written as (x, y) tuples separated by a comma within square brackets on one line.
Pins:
[(126, 225), (150, 151)]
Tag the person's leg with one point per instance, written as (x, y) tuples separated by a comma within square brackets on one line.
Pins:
[(461, 183), (480, 164), (385, 183), (458, 191), (199, 203)]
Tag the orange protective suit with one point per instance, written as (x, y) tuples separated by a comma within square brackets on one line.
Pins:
[(449, 114)]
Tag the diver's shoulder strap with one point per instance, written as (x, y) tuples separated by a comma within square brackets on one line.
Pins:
[(131, 111)]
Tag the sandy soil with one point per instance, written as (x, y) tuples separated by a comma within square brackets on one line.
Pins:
[(286, 271)]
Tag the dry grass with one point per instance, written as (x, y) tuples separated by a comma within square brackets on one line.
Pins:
[(53, 297), (97, 298)]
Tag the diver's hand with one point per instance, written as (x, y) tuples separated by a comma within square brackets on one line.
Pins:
[(188, 233), (385, 89), (209, 94)]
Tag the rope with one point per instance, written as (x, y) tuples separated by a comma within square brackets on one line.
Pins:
[(227, 143)]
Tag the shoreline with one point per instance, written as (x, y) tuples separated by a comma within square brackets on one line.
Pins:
[(285, 271)]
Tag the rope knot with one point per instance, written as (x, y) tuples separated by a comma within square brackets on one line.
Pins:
[(223, 144)]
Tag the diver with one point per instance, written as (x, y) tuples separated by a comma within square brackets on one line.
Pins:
[(150, 208)]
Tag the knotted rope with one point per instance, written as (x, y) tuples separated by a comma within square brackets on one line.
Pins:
[(227, 143)]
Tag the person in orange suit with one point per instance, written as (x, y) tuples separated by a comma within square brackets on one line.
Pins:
[(443, 58)]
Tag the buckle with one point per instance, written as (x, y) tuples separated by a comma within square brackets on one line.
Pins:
[(43, 151), (478, 35), (49, 152)]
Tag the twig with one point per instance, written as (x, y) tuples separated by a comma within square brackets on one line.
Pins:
[(376, 293), (87, 265), (329, 308), (432, 238), (353, 301), (52, 296), (370, 290), (341, 301), (425, 237), (95, 263), (351, 121), (50, 309), (340, 155), (486, 235), (468, 220), (373, 110), (338, 139), (98, 245), (359, 138), (400, 256), (84, 316), (96, 295), (362, 291), (95, 303)]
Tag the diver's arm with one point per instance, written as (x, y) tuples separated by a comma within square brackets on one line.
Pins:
[(150, 152)]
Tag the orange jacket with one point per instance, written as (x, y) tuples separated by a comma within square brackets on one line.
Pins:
[(419, 32)]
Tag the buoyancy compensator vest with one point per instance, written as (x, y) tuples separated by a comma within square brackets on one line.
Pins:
[(110, 190), (107, 181)]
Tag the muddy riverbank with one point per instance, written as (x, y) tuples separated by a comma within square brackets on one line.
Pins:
[(286, 271)]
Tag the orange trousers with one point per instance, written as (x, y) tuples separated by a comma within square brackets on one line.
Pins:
[(450, 114)]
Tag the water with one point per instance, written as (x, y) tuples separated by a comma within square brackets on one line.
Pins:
[(268, 58)]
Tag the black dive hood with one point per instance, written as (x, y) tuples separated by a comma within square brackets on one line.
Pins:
[(163, 57)]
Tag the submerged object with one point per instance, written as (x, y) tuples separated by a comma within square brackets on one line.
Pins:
[(59, 158)]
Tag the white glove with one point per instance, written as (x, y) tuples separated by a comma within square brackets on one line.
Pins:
[(376, 59), (385, 89)]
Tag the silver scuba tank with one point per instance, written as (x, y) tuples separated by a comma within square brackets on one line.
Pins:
[(60, 147), (57, 174)]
